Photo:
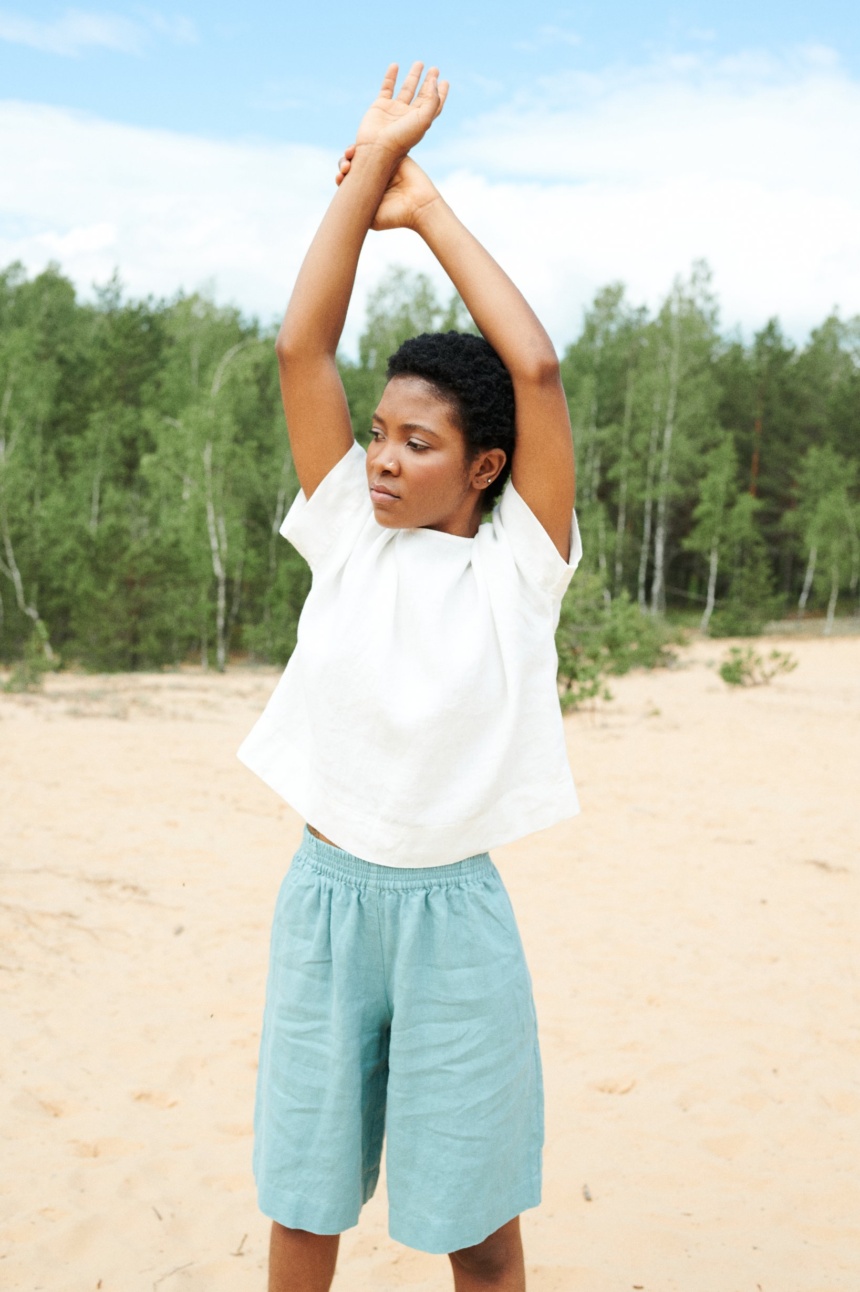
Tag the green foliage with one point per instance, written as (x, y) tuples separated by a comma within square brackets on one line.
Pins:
[(744, 666), (599, 637), (145, 471), (750, 602), (28, 673)]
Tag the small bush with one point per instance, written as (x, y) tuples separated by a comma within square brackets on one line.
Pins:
[(37, 660), (597, 638), (744, 666)]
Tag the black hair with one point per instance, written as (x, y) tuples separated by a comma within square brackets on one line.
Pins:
[(467, 372)]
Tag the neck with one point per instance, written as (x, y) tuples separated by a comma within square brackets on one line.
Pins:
[(465, 522)]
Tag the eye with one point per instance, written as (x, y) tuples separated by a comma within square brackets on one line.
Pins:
[(417, 446), (375, 434)]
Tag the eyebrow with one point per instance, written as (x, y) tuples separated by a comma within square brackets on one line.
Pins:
[(408, 426)]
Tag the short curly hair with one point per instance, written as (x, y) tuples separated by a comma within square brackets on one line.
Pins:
[(467, 371)]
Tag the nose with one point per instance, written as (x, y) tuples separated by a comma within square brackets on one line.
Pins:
[(390, 466)]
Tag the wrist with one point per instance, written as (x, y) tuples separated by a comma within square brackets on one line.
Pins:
[(429, 215), (374, 150)]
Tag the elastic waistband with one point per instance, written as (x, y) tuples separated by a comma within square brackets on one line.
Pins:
[(337, 864)]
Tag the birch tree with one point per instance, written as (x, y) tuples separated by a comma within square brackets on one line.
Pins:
[(822, 497), (717, 491), (687, 326), (827, 510)]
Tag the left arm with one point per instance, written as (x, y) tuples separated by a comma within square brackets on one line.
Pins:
[(543, 466)]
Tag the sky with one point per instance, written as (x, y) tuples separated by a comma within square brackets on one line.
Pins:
[(194, 148)]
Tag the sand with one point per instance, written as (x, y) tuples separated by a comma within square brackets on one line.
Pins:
[(693, 939)]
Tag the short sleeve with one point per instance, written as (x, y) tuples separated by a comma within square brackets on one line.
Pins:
[(534, 552), (324, 527)]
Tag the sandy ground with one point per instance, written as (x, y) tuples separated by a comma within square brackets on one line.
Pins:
[(693, 938)]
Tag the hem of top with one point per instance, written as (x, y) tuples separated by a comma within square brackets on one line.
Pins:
[(486, 827), (337, 863)]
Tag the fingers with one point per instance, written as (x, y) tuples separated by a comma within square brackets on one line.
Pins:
[(343, 166), (433, 93), (410, 85), (430, 89), (389, 81)]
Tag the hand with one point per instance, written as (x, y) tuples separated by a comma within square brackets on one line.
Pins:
[(397, 124), (409, 192)]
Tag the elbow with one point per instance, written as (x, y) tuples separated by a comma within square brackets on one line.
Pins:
[(540, 368), (285, 347), (294, 347)]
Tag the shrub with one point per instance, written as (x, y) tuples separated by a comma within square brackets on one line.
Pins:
[(598, 637), (744, 666), (37, 660)]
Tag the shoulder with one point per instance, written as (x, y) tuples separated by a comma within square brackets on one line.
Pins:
[(515, 527), (324, 526)]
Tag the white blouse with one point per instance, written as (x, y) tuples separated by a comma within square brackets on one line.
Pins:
[(417, 721)]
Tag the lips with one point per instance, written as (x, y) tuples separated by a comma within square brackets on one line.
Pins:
[(380, 491)]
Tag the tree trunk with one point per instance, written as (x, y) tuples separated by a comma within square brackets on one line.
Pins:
[(621, 522), (658, 585), (712, 586), (9, 567), (808, 577), (218, 547), (834, 596), (649, 491)]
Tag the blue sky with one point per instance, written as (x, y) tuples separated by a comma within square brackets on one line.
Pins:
[(194, 146), (297, 72)]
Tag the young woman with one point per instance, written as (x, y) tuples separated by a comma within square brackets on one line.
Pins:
[(417, 725)]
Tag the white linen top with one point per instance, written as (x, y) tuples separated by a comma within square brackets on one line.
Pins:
[(417, 721)]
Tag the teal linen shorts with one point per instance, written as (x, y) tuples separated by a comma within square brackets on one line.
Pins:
[(399, 1002)]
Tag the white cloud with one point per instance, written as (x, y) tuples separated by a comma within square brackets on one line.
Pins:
[(628, 176), (548, 35), (169, 210), (175, 27), (745, 161), (77, 30)]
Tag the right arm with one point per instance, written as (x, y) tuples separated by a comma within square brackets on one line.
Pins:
[(314, 399)]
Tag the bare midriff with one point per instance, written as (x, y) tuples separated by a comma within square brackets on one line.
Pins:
[(316, 834)]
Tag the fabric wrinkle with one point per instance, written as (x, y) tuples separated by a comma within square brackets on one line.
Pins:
[(416, 639), (411, 1028)]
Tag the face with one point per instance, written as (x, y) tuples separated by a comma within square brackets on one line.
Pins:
[(417, 469)]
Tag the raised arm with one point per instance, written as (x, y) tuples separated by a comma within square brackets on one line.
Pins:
[(314, 400), (543, 468)]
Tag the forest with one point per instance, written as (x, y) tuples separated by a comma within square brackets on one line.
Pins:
[(145, 470)]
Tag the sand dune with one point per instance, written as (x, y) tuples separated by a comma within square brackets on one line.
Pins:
[(693, 940)]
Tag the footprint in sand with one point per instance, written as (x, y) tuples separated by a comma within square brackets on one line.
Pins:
[(614, 1085), (109, 1147), (155, 1098)]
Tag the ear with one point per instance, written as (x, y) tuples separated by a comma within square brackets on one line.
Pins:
[(486, 467)]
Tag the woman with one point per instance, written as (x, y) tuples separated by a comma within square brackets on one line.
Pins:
[(417, 724)]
